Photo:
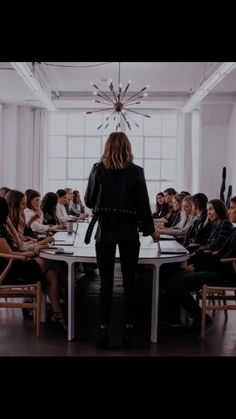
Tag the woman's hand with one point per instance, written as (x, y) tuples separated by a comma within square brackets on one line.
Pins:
[(155, 236), (190, 269), (47, 240), (39, 248)]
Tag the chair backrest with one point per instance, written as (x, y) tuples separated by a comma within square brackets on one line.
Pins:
[(19, 292), (216, 298), (211, 295)]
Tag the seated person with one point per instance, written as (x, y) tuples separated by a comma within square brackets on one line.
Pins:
[(32, 270), (186, 219), (71, 209), (179, 288), (221, 229), (200, 230), (162, 208), (169, 194), (34, 214), (61, 212), (78, 205), (48, 206)]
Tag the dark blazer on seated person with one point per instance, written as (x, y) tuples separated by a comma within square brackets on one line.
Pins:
[(213, 263)]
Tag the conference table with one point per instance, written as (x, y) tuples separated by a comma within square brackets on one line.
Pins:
[(154, 254)]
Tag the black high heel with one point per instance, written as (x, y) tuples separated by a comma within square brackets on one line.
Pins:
[(103, 338), (58, 318)]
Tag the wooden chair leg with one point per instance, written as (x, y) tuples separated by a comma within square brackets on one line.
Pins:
[(225, 311), (204, 302), (38, 309)]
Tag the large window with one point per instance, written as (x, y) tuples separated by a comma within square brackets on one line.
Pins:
[(75, 144)]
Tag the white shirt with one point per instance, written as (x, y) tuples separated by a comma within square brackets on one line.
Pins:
[(61, 213), (36, 225)]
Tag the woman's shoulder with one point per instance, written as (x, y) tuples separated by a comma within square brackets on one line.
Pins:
[(135, 168)]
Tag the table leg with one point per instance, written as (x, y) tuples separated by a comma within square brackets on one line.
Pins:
[(155, 301), (71, 301)]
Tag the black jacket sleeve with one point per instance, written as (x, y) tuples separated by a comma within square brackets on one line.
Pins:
[(144, 209), (91, 194)]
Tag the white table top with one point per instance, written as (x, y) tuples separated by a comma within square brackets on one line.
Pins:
[(148, 249)]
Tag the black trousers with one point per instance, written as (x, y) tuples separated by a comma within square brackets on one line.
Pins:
[(179, 289), (129, 252)]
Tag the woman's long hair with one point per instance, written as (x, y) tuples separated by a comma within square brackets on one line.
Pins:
[(4, 211), (220, 208), (30, 195), (117, 153), (13, 199)]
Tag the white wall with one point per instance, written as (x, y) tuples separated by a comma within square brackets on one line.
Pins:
[(9, 146), (231, 154), (213, 148), (16, 147)]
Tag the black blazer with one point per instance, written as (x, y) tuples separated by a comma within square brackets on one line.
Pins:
[(120, 199)]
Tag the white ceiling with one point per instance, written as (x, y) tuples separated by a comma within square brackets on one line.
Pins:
[(71, 80)]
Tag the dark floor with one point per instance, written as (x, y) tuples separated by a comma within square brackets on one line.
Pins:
[(18, 339)]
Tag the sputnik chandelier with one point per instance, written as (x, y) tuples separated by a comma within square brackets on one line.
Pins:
[(118, 102)]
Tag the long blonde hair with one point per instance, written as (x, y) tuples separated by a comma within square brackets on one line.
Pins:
[(117, 152)]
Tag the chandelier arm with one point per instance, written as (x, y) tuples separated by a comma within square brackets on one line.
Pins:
[(125, 91), (134, 103), (109, 116), (139, 113), (98, 110), (136, 98), (105, 97), (104, 103), (132, 97), (111, 87), (135, 123), (125, 120)]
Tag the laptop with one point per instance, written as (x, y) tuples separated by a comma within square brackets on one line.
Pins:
[(66, 239), (167, 237), (172, 250)]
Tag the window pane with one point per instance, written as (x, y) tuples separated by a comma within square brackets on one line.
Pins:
[(92, 123), (57, 147), (152, 147), (92, 147), (58, 124), (88, 164), (137, 146), (152, 169), (169, 124), (75, 168), (76, 184), (152, 126), (75, 146), (139, 162), (168, 169), (54, 185), (165, 185), (75, 124), (57, 168), (132, 118), (168, 148), (153, 189)]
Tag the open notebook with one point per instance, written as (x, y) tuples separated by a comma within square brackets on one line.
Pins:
[(168, 250)]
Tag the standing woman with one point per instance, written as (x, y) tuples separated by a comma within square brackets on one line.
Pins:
[(117, 195)]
